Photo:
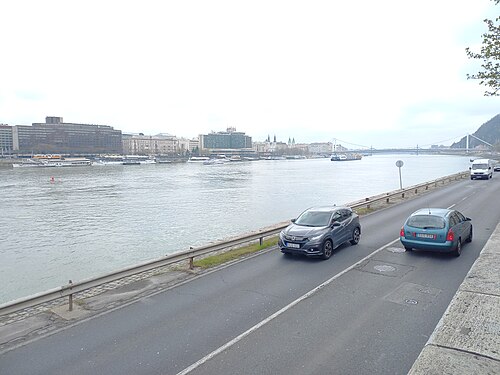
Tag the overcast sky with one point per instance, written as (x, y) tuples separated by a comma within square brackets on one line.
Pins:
[(387, 73)]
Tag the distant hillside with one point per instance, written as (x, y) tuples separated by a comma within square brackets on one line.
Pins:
[(489, 132)]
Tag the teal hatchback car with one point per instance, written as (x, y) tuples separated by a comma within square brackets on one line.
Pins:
[(436, 229)]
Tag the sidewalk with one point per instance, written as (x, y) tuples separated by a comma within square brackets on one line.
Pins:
[(467, 338)]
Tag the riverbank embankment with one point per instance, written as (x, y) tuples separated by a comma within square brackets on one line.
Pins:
[(467, 338)]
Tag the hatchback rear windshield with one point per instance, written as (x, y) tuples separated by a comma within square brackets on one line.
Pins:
[(314, 219), (426, 222)]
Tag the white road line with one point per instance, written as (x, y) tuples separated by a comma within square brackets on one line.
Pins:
[(453, 205), (219, 350)]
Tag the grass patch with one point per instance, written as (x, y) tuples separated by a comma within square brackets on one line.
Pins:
[(364, 210), (215, 260)]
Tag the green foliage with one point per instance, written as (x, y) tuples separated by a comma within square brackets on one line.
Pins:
[(489, 76)]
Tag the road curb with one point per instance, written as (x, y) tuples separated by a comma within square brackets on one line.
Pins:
[(467, 338)]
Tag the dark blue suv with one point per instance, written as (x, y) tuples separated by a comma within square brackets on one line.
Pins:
[(319, 230)]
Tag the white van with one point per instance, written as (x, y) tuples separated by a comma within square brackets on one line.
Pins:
[(481, 168)]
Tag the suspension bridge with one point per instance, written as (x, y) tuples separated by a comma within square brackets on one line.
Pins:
[(488, 147)]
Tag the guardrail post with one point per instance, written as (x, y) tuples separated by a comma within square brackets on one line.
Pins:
[(191, 263), (368, 205), (261, 240), (402, 195), (426, 187), (416, 191), (70, 296)]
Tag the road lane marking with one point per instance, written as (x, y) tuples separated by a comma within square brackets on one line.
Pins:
[(227, 345)]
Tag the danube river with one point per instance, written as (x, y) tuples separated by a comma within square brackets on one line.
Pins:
[(58, 224)]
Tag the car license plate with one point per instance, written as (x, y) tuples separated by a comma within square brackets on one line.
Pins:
[(425, 235), (293, 245)]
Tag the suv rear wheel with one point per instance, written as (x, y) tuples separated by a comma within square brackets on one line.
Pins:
[(356, 234)]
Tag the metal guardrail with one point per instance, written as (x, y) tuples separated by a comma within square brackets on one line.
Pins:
[(415, 189), (189, 255)]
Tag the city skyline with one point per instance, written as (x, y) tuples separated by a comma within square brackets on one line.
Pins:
[(291, 142), (386, 74)]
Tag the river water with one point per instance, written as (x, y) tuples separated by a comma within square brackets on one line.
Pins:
[(58, 224)]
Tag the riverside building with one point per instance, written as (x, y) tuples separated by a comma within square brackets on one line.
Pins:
[(140, 144), (57, 137), (6, 144), (160, 144), (229, 142)]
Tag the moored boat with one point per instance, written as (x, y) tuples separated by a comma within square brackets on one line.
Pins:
[(108, 160), (198, 159), (53, 162), (127, 161), (345, 157)]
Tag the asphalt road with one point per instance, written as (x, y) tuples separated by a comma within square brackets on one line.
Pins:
[(367, 310)]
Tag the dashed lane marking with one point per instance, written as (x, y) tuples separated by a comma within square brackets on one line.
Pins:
[(222, 348)]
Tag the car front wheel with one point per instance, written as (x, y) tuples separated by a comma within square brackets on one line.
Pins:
[(327, 249), (458, 249), (356, 234)]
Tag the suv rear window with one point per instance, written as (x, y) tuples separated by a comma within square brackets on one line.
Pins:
[(426, 222)]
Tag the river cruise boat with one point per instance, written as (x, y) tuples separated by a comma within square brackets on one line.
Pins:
[(53, 162), (345, 157), (108, 160), (198, 159)]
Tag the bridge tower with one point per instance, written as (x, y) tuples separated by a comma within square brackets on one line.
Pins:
[(479, 139)]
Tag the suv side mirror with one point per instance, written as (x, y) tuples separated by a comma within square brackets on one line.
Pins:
[(335, 224), (293, 220)]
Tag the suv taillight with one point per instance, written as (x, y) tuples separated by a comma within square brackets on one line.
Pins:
[(402, 232), (450, 236)]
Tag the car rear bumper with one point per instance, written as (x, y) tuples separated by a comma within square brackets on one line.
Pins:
[(443, 247)]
